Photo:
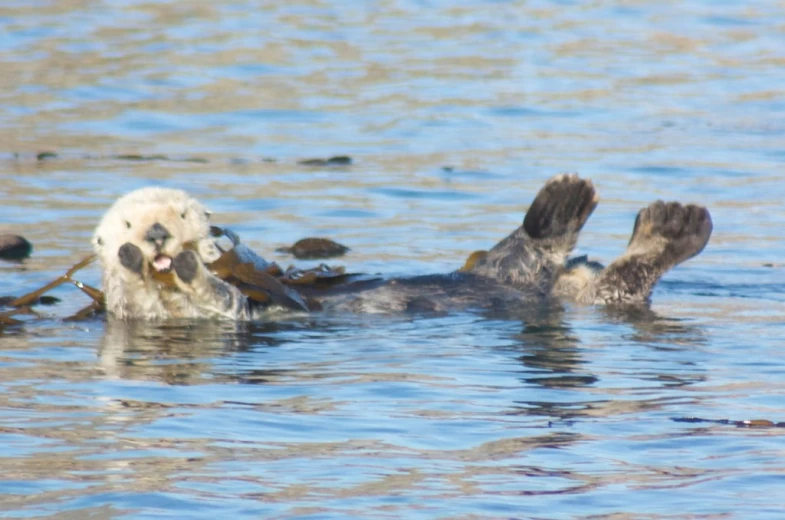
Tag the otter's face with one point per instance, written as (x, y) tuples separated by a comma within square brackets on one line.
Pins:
[(161, 223)]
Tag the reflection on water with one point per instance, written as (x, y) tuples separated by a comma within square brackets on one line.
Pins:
[(171, 353), (463, 407), (454, 115)]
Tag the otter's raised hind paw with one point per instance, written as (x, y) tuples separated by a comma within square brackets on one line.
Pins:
[(531, 255), (561, 208), (186, 265), (671, 232), (131, 257), (665, 235)]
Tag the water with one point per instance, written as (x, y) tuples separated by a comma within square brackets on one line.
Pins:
[(454, 116)]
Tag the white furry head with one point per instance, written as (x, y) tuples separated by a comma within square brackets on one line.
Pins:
[(161, 222)]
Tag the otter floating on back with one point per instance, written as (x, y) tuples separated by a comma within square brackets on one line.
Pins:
[(159, 231)]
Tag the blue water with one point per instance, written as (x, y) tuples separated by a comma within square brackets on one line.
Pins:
[(454, 115)]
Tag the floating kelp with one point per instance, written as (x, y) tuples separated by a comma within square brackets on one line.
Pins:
[(472, 260), (14, 247), (266, 282), (748, 423), (313, 247), (24, 304), (338, 160), (137, 157), (43, 156), (30, 298), (49, 155), (43, 300)]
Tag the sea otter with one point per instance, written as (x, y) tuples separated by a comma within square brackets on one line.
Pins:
[(154, 232), (158, 231)]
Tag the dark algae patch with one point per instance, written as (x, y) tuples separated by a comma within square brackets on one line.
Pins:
[(14, 247), (48, 155), (312, 248), (338, 160)]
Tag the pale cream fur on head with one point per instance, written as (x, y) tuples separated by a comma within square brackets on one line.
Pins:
[(138, 295)]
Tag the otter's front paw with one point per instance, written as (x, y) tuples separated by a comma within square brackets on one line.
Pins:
[(186, 265), (131, 257)]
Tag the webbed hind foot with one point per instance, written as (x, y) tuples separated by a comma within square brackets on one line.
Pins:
[(533, 255), (665, 235), (560, 210), (671, 231)]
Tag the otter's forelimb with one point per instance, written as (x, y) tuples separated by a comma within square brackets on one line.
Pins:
[(131, 258), (211, 295), (127, 292)]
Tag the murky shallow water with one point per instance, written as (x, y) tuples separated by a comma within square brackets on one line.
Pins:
[(554, 414)]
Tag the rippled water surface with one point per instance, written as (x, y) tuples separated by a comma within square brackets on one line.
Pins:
[(454, 113)]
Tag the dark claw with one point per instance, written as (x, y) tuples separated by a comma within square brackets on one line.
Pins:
[(131, 257), (186, 265)]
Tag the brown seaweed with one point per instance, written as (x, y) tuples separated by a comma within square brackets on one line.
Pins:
[(31, 297), (337, 160), (314, 247), (14, 247), (746, 423), (472, 260)]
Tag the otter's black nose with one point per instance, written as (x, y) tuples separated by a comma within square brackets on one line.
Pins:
[(157, 234)]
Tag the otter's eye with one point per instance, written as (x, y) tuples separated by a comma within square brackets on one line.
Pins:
[(127, 224), (182, 215), (99, 241)]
